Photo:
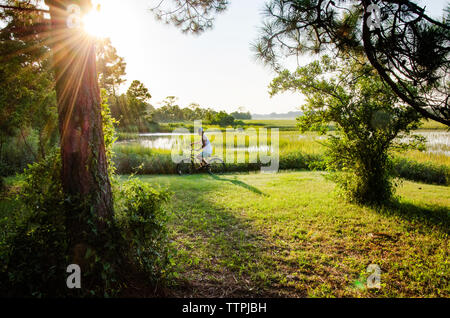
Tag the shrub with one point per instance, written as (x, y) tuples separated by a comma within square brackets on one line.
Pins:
[(34, 257), (3, 173), (18, 153), (142, 220), (367, 116), (35, 261), (364, 165), (422, 172), (222, 119)]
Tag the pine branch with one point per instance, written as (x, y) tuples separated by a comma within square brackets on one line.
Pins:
[(23, 9)]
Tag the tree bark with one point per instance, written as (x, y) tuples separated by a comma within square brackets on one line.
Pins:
[(84, 172)]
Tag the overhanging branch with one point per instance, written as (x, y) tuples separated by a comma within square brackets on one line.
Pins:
[(23, 8)]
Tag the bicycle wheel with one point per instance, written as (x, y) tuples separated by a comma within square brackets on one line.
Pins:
[(184, 167), (216, 166)]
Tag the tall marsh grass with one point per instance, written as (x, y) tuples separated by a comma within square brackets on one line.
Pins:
[(296, 151), (425, 172)]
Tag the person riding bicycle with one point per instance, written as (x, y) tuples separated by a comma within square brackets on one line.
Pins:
[(206, 147)]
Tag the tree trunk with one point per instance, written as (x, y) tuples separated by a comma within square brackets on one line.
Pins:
[(84, 164)]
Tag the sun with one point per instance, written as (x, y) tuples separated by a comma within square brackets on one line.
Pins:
[(109, 19), (96, 23)]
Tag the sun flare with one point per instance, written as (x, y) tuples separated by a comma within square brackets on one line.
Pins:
[(105, 19), (96, 23)]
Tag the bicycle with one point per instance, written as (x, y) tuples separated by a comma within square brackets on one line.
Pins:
[(192, 164)]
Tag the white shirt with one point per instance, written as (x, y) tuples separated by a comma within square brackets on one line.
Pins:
[(207, 144)]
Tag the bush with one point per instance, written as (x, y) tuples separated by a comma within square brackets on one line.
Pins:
[(36, 261), (366, 115), (222, 119), (142, 220), (422, 172), (135, 163), (34, 256), (17, 154), (3, 173), (364, 169)]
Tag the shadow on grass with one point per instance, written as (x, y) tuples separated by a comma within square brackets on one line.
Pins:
[(240, 184), (434, 216), (219, 253)]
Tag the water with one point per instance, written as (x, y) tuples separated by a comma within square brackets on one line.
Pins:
[(156, 140), (438, 142), (165, 141)]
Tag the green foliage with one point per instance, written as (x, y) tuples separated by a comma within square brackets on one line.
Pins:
[(36, 260), (27, 96), (143, 220), (422, 172), (131, 110), (38, 249), (109, 132), (171, 112), (133, 158), (42, 185), (140, 160), (138, 97), (36, 253), (222, 119), (217, 225), (367, 116), (190, 16), (110, 66), (28, 125), (138, 92), (241, 115), (137, 159), (408, 42), (18, 152)]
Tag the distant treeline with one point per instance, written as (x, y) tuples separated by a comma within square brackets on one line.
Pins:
[(171, 112), (241, 115), (289, 115)]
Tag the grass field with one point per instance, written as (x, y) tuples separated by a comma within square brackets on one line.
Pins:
[(291, 124), (282, 124), (296, 151), (289, 235), (426, 157), (433, 125)]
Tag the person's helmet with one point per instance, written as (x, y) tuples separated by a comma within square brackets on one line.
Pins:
[(200, 130)]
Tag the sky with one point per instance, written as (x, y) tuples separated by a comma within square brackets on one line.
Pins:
[(216, 69)]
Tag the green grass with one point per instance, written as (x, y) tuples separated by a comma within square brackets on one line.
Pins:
[(288, 235), (309, 143), (289, 140), (282, 124), (432, 125), (291, 124), (425, 157), (296, 151)]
